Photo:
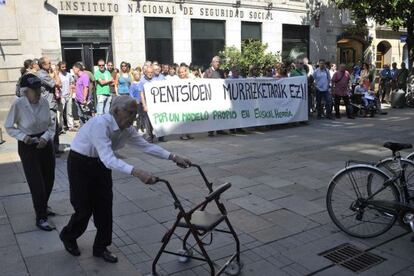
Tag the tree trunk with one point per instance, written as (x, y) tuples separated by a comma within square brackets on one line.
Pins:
[(410, 42)]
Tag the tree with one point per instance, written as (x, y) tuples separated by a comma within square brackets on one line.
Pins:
[(252, 52), (395, 13)]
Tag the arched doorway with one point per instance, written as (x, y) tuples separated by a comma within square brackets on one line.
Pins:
[(349, 50), (384, 52)]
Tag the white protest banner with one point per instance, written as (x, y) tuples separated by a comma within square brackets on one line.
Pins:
[(200, 105)]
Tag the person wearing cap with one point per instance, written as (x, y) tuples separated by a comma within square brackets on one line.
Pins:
[(29, 121), (90, 164), (35, 66)]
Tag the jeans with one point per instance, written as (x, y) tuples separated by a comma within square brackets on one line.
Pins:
[(326, 95), (103, 104), (68, 101)]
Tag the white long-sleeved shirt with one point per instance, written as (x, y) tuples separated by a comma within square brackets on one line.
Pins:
[(25, 119), (101, 136)]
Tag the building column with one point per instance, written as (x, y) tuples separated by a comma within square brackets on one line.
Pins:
[(272, 35), (233, 33), (182, 39)]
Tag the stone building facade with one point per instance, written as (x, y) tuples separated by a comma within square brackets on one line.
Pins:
[(166, 30)]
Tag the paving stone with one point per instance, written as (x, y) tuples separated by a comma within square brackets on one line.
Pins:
[(38, 242), (247, 221), (147, 234), (289, 220), (124, 208), (303, 192), (11, 261), (18, 205), (57, 263), (266, 192), (164, 214), (271, 234), (255, 204), (23, 222), (131, 221), (279, 261), (154, 202), (299, 205), (6, 236), (239, 181), (273, 181), (97, 266), (134, 191), (261, 267)]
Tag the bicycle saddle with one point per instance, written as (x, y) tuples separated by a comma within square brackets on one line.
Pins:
[(397, 146)]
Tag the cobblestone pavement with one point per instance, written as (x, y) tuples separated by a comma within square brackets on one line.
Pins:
[(276, 203)]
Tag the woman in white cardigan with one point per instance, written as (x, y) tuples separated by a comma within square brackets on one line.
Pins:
[(30, 123)]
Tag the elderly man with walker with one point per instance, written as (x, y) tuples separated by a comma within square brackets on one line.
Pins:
[(90, 163)]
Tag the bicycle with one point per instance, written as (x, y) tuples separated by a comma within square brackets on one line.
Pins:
[(365, 201), (410, 156)]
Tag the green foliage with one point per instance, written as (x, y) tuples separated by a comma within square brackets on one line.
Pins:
[(395, 13), (252, 53)]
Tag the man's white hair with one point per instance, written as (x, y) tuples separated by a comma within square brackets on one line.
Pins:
[(216, 58), (121, 103)]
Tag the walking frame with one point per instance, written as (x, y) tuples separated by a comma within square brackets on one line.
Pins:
[(200, 224)]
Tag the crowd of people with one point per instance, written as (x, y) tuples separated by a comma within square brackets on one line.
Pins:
[(89, 94)]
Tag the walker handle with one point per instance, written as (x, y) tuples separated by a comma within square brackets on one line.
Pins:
[(208, 184)]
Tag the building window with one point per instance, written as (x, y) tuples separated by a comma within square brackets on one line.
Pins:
[(207, 40), (158, 39), (295, 41), (251, 31)]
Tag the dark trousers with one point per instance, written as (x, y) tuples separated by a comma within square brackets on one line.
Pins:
[(337, 101), (328, 102), (90, 194), (39, 169), (144, 121)]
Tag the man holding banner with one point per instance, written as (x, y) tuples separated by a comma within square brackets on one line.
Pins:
[(214, 72)]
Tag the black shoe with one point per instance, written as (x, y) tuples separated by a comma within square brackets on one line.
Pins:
[(338, 116), (107, 255), (44, 225), (351, 117), (71, 247), (211, 134), (161, 139), (50, 213)]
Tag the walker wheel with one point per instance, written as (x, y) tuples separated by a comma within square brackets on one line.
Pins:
[(184, 259), (234, 268)]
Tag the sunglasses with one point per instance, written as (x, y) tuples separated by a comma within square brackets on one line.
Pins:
[(101, 65)]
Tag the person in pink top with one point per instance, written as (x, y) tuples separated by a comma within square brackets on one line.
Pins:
[(82, 93), (340, 88)]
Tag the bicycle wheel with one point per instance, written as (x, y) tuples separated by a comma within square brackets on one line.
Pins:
[(345, 199), (408, 166), (410, 156)]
